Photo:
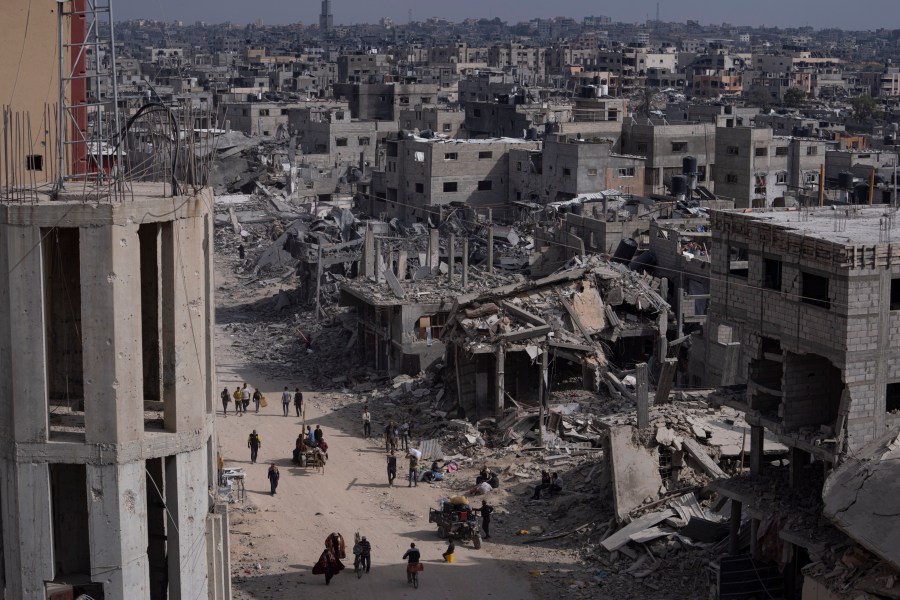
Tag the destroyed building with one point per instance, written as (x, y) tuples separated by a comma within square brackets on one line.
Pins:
[(502, 344)]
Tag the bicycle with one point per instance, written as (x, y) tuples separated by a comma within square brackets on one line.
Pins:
[(358, 562), (413, 569)]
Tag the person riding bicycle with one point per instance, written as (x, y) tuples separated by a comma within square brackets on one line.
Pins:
[(412, 556), (362, 551)]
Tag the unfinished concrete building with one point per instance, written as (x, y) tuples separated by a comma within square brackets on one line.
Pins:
[(810, 296), (106, 359)]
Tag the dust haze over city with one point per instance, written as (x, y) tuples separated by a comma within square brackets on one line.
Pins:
[(461, 299)]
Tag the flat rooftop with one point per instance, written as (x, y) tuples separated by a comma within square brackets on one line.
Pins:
[(846, 225)]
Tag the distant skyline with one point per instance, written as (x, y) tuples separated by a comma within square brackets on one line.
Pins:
[(865, 14)]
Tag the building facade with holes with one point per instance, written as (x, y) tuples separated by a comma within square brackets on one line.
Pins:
[(805, 318), (106, 366)]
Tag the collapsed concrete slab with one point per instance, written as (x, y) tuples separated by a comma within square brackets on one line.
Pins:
[(860, 497), (634, 470)]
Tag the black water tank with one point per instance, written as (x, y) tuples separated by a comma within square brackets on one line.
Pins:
[(845, 180), (576, 209), (689, 165), (679, 185), (625, 251), (643, 262), (531, 134)]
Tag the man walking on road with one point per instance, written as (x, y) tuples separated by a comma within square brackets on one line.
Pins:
[(254, 443), (392, 468), (257, 398), (486, 511), (245, 396), (226, 398), (274, 476), (285, 400), (413, 471), (238, 400), (367, 422), (298, 401)]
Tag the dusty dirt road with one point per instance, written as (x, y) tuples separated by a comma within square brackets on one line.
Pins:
[(275, 546)]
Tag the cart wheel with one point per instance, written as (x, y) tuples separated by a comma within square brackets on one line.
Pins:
[(442, 533), (476, 542)]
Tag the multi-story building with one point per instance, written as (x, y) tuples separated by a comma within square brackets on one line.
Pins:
[(423, 174), (384, 101), (810, 304), (444, 121), (572, 167), (665, 148), (755, 168)]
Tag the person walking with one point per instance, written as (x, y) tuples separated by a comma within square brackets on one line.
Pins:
[(254, 443), (238, 400), (298, 401), (413, 471), (388, 429), (226, 398), (486, 511), (367, 422), (392, 468), (328, 565), (404, 435), (245, 396), (257, 398), (285, 400), (274, 476)]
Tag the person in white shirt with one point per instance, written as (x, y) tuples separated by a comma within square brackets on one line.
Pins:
[(367, 422), (286, 400)]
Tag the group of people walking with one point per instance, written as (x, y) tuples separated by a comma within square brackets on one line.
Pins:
[(242, 398)]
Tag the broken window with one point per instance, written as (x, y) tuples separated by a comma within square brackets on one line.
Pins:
[(451, 156), (781, 151), (731, 178), (485, 185), (738, 261), (567, 172), (450, 186), (814, 290), (264, 112), (772, 274), (732, 150), (420, 188), (679, 146), (811, 150), (419, 157), (592, 172), (642, 147), (363, 141), (626, 172), (761, 151), (446, 127), (486, 154), (340, 141), (892, 398)]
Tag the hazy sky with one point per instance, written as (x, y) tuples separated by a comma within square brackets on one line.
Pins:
[(858, 14)]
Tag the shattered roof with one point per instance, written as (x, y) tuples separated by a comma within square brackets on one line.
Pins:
[(569, 309)]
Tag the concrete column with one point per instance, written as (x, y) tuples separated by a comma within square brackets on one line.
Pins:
[(735, 527), (451, 257), (754, 532), (23, 354), (111, 333), (369, 254), (186, 498), (434, 248), (642, 393), (402, 256), (465, 259), (117, 518), (501, 384), (378, 273), (490, 245), (183, 318), (757, 448), (27, 529)]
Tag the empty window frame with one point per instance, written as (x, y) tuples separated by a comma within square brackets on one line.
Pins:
[(450, 186), (814, 290), (738, 261), (772, 273)]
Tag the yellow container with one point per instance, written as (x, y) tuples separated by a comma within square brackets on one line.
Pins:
[(449, 558)]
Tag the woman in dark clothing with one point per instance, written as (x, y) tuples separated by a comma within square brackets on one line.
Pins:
[(328, 565)]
